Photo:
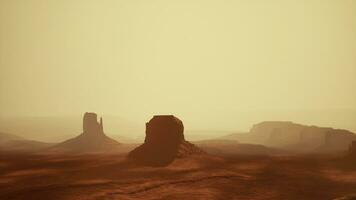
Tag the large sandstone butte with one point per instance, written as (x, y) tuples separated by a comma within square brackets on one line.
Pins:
[(164, 142), (93, 138)]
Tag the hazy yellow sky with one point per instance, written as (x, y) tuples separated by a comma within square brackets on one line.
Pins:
[(213, 63)]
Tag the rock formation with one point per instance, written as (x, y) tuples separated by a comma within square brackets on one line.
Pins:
[(91, 125), (93, 138), (164, 142), (297, 137)]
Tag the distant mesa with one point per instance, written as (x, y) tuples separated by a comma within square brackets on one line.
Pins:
[(164, 142), (93, 138), (297, 137)]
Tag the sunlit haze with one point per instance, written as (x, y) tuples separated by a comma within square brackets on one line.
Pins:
[(217, 65)]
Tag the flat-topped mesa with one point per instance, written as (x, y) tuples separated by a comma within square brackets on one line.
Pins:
[(164, 142), (91, 124), (298, 137)]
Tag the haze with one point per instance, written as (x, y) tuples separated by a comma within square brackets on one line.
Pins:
[(217, 65)]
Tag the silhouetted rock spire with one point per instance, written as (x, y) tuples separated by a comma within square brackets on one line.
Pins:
[(93, 138)]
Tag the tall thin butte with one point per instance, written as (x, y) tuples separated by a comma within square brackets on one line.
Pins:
[(92, 140)]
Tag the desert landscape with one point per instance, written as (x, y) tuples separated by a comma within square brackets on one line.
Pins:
[(166, 166), (203, 177), (177, 100)]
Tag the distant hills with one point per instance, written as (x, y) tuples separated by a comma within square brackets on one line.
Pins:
[(5, 137), (10, 142)]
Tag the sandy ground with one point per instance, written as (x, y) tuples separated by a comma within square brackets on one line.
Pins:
[(102, 177)]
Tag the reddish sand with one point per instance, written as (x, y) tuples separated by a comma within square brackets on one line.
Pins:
[(205, 177)]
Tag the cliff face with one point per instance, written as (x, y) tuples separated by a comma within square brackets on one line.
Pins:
[(93, 138), (163, 143)]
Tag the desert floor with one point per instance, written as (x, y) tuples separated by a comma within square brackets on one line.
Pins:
[(202, 177)]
